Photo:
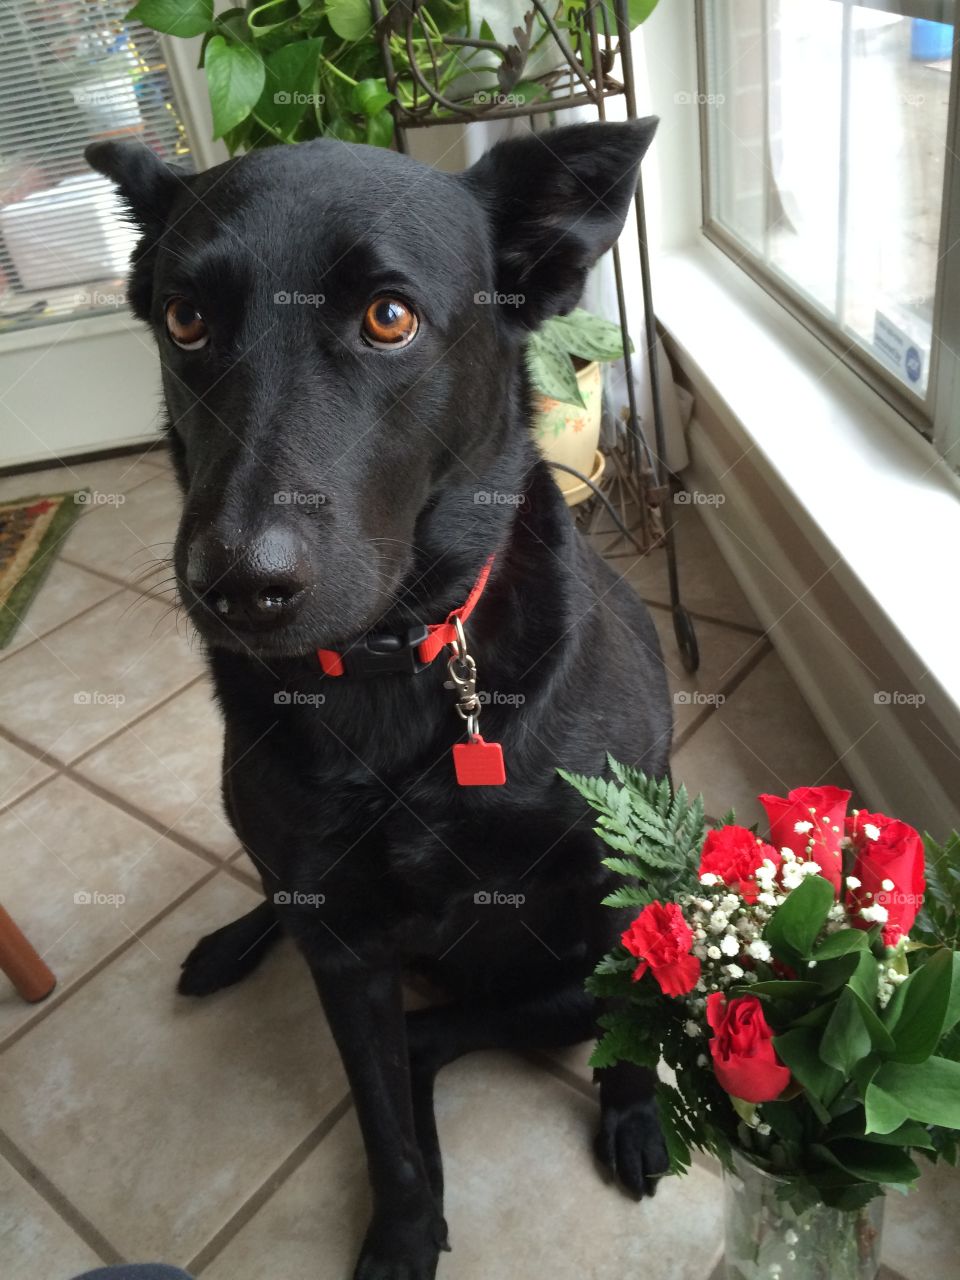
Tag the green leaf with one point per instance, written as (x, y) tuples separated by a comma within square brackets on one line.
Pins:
[(798, 1049), (845, 1038), (580, 333), (841, 943), (551, 369), (350, 19), (639, 11), (869, 1161), (379, 129), (793, 928), (915, 1015), (291, 76), (925, 1091), (370, 96), (174, 17), (235, 78), (780, 989)]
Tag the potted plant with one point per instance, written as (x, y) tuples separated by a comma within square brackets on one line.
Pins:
[(805, 991), (291, 70), (563, 359)]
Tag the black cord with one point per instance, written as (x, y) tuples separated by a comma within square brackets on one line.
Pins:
[(562, 466)]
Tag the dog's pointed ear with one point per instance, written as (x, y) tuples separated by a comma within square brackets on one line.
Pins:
[(147, 184), (149, 187), (557, 201)]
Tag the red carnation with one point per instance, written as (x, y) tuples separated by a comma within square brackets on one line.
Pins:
[(661, 939), (744, 1060), (888, 853), (810, 823), (735, 854)]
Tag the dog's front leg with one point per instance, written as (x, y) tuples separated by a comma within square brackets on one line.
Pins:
[(365, 1010)]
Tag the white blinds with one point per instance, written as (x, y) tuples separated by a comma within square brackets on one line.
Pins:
[(71, 71)]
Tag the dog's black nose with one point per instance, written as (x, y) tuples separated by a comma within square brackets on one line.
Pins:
[(257, 583)]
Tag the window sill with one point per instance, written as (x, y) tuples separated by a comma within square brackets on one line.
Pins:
[(867, 488)]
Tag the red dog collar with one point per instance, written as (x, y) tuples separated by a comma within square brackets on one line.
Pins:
[(379, 653)]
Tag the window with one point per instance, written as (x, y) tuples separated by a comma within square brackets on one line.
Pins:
[(71, 72), (827, 131)]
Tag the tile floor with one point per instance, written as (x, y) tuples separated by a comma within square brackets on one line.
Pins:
[(219, 1134)]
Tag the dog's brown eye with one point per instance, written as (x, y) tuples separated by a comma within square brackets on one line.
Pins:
[(388, 322), (186, 325)]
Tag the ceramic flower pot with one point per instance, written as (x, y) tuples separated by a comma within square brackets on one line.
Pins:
[(766, 1239), (568, 434)]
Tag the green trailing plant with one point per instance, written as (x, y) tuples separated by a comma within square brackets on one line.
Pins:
[(291, 70), (560, 341), (805, 1001)]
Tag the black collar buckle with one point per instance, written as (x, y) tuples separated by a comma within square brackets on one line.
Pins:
[(379, 654)]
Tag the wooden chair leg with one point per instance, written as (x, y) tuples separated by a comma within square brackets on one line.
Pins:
[(22, 964)]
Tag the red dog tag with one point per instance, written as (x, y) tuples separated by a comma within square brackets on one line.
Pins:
[(479, 763)]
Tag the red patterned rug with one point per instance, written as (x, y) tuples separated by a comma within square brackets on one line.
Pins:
[(31, 533)]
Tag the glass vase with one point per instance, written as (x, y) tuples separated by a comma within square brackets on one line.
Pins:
[(766, 1239)]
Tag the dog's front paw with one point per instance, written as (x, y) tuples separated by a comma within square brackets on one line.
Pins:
[(229, 954), (405, 1251), (630, 1144)]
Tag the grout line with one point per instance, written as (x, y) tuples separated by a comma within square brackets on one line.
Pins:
[(697, 616), (267, 1189), (168, 697), (5, 805), (137, 588), (61, 994), (749, 665), (57, 1201), (545, 1059), (12, 653)]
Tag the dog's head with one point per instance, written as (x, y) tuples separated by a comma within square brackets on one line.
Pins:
[(341, 333)]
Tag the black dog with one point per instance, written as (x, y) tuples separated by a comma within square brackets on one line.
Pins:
[(342, 334)]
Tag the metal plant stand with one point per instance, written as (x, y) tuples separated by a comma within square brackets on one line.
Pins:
[(581, 76)]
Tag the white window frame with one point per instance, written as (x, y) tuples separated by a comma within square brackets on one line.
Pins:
[(937, 417)]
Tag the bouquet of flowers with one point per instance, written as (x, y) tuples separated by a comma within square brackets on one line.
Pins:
[(803, 986)]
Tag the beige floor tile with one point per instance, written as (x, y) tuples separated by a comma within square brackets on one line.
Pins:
[(523, 1195), (723, 651), (61, 842), (763, 739), (131, 540), (19, 771), (156, 1115), (66, 591), (169, 766), (104, 476), (35, 1242), (706, 584), (921, 1237), (88, 679)]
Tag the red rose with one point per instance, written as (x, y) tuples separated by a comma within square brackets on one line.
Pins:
[(744, 1060), (661, 939), (891, 851), (734, 854), (819, 813)]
